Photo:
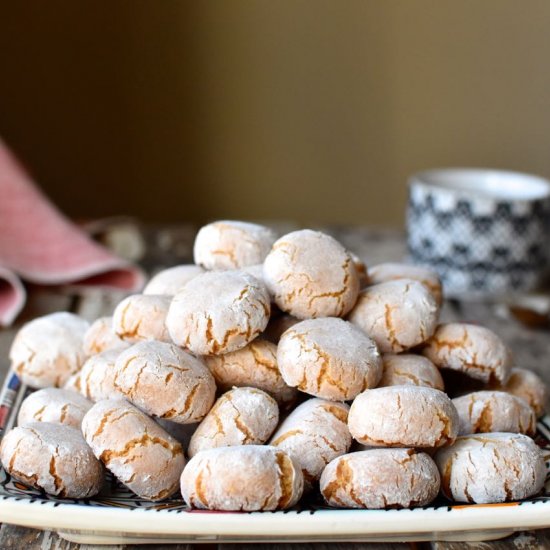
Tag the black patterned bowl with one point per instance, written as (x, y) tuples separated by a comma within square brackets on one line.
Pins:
[(484, 231)]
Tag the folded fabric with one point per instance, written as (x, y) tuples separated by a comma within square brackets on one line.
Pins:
[(40, 245)]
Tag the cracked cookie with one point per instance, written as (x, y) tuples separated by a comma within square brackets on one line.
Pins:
[(380, 478), (218, 312), (490, 468), (313, 434), (169, 282), (242, 416), (248, 478), (138, 452), (403, 416), (48, 350), (255, 365), (54, 405), (142, 317), (494, 411), (53, 458), (232, 244), (329, 358), (471, 349), (391, 271), (407, 368), (397, 315), (165, 381), (310, 274), (101, 337)]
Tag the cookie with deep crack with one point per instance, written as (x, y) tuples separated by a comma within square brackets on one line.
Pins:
[(380, 478), (474, 350), (406, 368), (53, 458), (313, 434), (232, 244), (247, 478), (403, 416), (138, 452), (397, 315), (241, 416), (329, 358), (219, 312), (490, 468), (310, 274), (165, 381), (101, 337)]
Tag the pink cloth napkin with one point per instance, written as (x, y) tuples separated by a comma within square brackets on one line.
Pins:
[(40, 245)]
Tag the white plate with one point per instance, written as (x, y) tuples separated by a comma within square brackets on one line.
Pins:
[(117, 516)]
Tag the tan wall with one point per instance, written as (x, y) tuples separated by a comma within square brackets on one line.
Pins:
[(304, 109)]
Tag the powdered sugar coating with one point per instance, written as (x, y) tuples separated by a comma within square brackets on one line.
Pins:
[(165, 381), (232, 244), (95, 380), (310, 274), (472, 349), (47, 350), (255, 365), (529, 386), (169, 281), (54, 405), (313, 434), (247, 478), (380, 478), (392, 271), (494, 411), (242, 416), (102, 337), (397, 315), (218, 312), (134, 448), (53, 458), (491, 468), (403, 416), (407, 368), (142, 317), (329, 358)]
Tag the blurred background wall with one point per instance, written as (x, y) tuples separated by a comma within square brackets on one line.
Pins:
[(296, 109)]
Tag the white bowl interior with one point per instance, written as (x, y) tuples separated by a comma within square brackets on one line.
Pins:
[(495, 184)]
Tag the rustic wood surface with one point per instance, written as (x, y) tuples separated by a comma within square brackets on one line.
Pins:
[(168, 246)]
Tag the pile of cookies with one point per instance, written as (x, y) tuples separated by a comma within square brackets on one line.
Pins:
[(270, 369)]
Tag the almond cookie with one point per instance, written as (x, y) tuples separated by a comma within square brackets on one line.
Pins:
[(102, 337), (313, 434), (471, 349), (95, 380), (403, 416), (47, 350), (165, 381), (54, 405), (247, 478), (491, 468), (381, 478), (218, 312), (397, 315), (329, 358), (53, 458), (382, 273), (407, 368), (242, 416), (169, 281), (134, 448), (232, 244), (255, 365), (140, 317), (529, 386), (310, 274), (494, 411)]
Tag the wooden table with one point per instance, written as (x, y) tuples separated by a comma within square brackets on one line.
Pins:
[(168, 246)]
